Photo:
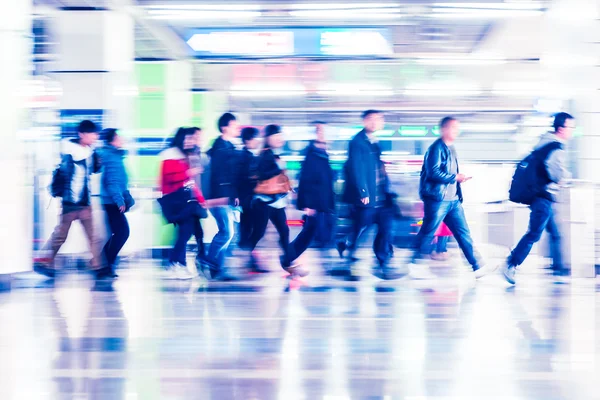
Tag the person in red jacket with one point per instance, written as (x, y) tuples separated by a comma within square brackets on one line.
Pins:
[(176, 173)]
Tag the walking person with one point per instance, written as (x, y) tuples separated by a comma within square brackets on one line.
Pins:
[(442, 236), (176, 174), (116, 199), (441, 192), (196, 164), (367, 191), (316, 196), (247, 175), (71, 182), (224, 160), (549, 161), (271, 200)]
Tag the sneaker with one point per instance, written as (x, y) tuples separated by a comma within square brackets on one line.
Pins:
[(439, 256), (297, 272), (43, 269), (483, 271), (105, 272), (509, 272), (341, 248), (182, 272), (421, 272), (389, 274)]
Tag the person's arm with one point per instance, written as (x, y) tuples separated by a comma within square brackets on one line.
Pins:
[(96, 163), (433, 167), (357, 169), (111, 182), (556, 166)]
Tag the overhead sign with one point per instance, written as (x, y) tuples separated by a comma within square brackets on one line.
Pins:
[(292, 42)]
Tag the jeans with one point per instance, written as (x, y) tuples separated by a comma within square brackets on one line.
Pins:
[(453, 215), (61, 232), (185, 230), (442, 244), (119, 233), (363, 218), (542, 218), (263, 213), (220, 244)]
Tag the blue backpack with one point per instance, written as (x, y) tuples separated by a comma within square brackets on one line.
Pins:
[(531, 176)]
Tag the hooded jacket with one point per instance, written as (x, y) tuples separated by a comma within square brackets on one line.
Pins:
[(115, 182), (555, 164), (77, 163)]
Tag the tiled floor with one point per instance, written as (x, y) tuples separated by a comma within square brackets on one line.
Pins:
[(143, 337)]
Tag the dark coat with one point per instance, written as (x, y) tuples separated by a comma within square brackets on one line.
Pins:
[(435, 177), (315, 186), (247, 176), (364, 158), (267, 165), (224, 159), (115, 183)]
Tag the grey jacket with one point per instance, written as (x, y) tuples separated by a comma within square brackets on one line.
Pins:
[(556, 164)]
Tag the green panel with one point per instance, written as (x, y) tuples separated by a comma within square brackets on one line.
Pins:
[(413, 131), (150, 113), (164, 233), (198, 109), (151, 78), (436, 130), (147, 169), (293, 165)]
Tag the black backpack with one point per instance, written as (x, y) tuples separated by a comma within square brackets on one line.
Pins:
[(57, 186), (531, 176)]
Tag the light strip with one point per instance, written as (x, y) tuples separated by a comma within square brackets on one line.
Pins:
[(442, 90), (441, 13), (461, 61), (203, 15), (341, 6), (341, 14), (355, 90), (226, 7), (488, 127), (532, 5), (267, 91)]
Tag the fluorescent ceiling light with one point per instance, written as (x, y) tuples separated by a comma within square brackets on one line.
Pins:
[(460, 61), (488, 127), (353, 89), (266, 90), (442, 90), (530, 5), (342, 14), (341, 6), (225, 7), (445, 13), (203, 15)]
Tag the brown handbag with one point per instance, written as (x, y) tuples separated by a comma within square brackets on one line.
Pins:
[(279, 184)]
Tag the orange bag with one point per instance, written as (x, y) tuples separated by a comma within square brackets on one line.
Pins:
[(279, 184)]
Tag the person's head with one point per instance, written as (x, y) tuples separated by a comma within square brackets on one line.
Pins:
[(228, 125), (273, 137), (373, 120), (320, 131), (198, 136), (449, 129), (250, 137), (88, 133), (112, 138), (564, 125), (184, 139)]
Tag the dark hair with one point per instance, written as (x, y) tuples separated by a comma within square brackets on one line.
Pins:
[(195, 129), (180, 136), (224, 120), (87, 126), (445, 121), (270, 130), (109, 135), (249, 133), (560, 119), (365, 114)]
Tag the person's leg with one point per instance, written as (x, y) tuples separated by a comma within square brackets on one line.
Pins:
[(457, 223), (434, 214), (279, 220), (119, 238), (541, 210), (221, 241), (555, 243), (304, 238), (59, 236), (199, 236), (363, 218), (442, 244), (85, 216), (384, 218), (185, 229), (246, 224), (118, 233)]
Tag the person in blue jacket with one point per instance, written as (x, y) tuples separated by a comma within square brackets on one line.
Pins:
[(116, 198)]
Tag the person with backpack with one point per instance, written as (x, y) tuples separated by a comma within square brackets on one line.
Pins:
[(537, 183), (71, 182), (441, 192), (367, 192), (116, 198), (224, 160)]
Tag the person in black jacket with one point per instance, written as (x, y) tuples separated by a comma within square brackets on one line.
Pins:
[(223, 176), (247, 174), (316, 196), (367, 191), (441, 192), (272, 207)]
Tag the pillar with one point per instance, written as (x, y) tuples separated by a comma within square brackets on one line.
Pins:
[(16, 200)]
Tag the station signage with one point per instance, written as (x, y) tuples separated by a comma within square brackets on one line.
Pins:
[(291, 42)]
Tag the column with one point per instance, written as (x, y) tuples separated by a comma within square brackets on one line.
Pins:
[(16, 200)]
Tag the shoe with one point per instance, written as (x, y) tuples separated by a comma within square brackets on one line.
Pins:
[(297, 272), (183, 273), (256, 269), (509, 272), (224, 276), (421, 272), (483, 271), (341, 248), (105, 272), (43, 269), (440, 256), (388, 274)]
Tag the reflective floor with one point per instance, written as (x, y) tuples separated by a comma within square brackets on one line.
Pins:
[(143, 337)]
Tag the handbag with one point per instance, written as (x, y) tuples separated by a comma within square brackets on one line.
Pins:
[(181, 205), (279, 184)]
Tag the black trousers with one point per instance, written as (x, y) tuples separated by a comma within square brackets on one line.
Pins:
[(263, 213), (199, 235), (363, 218), (119, 233), (185, 230), (304, 238), (246, 226)]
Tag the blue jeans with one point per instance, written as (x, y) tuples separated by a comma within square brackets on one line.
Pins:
[(542, 218), (453, 215), (220, 243), (442, 244)]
